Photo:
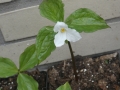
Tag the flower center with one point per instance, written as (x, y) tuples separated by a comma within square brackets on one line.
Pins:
[(63, 30)]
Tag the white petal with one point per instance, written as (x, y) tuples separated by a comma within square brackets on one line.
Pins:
[(59, 39), (59, 25), (72, 35)]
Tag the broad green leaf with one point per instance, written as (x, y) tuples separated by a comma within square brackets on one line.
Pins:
[(45, 42), (7, 68), (26, 82), (85, 20), (66, 86), (52, 10), (28, 59)]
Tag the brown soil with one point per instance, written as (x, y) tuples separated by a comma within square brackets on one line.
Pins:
[(11, 82), (98, 73)]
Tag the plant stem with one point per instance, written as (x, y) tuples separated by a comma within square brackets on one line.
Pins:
[(73, 61)]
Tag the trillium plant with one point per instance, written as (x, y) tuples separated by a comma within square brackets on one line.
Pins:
[(48, 38), (68, 30)]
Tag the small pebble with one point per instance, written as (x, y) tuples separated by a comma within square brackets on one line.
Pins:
[(100, 66), (106, 86), (92, 81), (10, 87), (85, 70), (81, 70), (77, 71), (11, 82)]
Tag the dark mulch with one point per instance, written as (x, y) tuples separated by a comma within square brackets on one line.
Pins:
[(99, 73), (10, 83)]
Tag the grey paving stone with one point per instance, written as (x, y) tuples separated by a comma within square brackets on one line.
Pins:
[(17, 4), (27, 22), (4, 1), (1, 38), (22, 24)]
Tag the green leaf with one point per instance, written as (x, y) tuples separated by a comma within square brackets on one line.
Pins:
[(66, 86), (7, 68), (85, 20), (52, 10), (106, 61), (45, 42), (28, 59), (26, 82)]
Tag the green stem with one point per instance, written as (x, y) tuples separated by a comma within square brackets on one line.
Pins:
[(73, 61)]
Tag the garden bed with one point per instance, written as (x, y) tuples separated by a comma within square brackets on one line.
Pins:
[(96, 72), (11, 82)]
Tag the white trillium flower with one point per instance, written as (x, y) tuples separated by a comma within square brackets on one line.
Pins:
[(65, 33)]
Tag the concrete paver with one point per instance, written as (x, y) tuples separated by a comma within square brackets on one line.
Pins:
[(4, 1), (91, 43), (26, 22), (17, 4), (22, 24), (1, 38)]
